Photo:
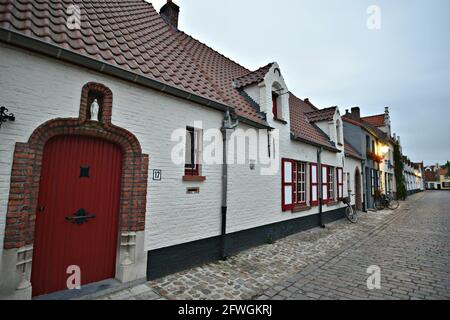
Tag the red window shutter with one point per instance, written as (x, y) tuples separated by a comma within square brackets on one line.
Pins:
[(325, 184), (275, 105), (340, 183), (287, 172), (314, 181)]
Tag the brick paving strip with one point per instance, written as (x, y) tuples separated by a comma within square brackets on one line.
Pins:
[(317, 264)]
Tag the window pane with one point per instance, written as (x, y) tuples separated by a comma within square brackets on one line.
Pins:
[(189, 142), (288, 195), (287, 172)]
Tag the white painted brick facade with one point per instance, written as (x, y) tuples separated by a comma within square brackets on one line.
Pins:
[(38, 89)]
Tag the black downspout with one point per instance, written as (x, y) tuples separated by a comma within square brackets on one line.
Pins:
[(320, 187), (223, 254), (364, 184)]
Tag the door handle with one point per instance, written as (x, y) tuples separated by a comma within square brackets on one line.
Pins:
[(80, 217)]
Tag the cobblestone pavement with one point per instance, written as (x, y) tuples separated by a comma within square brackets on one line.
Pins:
[(410, 245)]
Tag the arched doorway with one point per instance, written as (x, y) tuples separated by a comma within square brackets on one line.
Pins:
[(78, 212), (99, 138), (358, 197)]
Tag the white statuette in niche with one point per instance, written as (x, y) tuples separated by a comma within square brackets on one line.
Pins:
[(95, 110)]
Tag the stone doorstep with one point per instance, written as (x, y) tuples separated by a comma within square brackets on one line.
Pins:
[(93, 290)]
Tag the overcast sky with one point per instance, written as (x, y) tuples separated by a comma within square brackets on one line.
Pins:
[(327, 53)]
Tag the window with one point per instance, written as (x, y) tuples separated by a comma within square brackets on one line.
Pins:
[(330, 183), (300, 183), (338, 132), (314, 185), (340, 183), (293, 184), (193, 149), (372, 181), (275, 107), (367, 143)]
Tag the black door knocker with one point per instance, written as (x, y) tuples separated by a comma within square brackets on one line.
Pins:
[(81, 217)]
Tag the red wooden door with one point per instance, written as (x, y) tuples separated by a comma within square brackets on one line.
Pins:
[(77, 173)]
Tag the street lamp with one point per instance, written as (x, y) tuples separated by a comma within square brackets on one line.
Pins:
[(5, 116)]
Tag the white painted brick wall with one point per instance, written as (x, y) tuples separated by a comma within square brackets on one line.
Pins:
[(39, 89)]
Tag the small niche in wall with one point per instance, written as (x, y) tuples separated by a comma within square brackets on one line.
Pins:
[(193, 190)]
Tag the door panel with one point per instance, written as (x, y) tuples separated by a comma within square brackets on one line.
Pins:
[(77, 173)]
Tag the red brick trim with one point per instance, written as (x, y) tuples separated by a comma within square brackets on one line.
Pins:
[(27, 162)]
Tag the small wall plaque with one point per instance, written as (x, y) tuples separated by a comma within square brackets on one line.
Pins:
[(157, 175)]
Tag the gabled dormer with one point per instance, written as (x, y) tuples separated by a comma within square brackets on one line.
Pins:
[(267, 88), (330, 122)]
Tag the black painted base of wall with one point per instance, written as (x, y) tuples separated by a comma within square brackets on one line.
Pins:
[(411, 192), (174, 259)]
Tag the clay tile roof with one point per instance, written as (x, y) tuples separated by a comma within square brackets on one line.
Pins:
[(430, 176), (252, 77), (376, 121), (131, 34), (321, 115), (300, 126), (351, 151)]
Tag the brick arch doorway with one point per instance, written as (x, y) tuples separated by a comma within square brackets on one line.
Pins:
[(358, 196), (26, 173)]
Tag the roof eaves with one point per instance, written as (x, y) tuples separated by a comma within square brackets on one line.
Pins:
[(48, 49)]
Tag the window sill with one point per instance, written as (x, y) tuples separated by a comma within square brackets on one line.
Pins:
[(301, 209), (194, 178), (332, 203), (280, 120)]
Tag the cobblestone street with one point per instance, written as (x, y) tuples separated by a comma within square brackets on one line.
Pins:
[(410, 245)]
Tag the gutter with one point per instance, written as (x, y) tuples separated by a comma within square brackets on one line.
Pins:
[(51, 50)]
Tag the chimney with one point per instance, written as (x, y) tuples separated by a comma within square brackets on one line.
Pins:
[(356, 113), (387, 118), (169, 12)]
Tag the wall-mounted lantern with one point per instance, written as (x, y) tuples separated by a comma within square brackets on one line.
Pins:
[(5, 115)]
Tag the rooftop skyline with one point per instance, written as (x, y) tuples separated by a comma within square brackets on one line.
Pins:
[(328, 54)]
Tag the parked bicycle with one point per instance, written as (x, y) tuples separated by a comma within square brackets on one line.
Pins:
[(386, 201), (350, 212)]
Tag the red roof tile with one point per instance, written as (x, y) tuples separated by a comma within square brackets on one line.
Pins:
[(132, 35), (376, 121), (300, 126), (252, 77), (321, 115)]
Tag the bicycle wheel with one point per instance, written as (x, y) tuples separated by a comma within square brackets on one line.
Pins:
[(394, 204), (351, 214), (378, 204)]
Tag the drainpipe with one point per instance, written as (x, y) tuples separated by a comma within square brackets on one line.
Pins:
[(364, 184), (228, 124), (320, 187)]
